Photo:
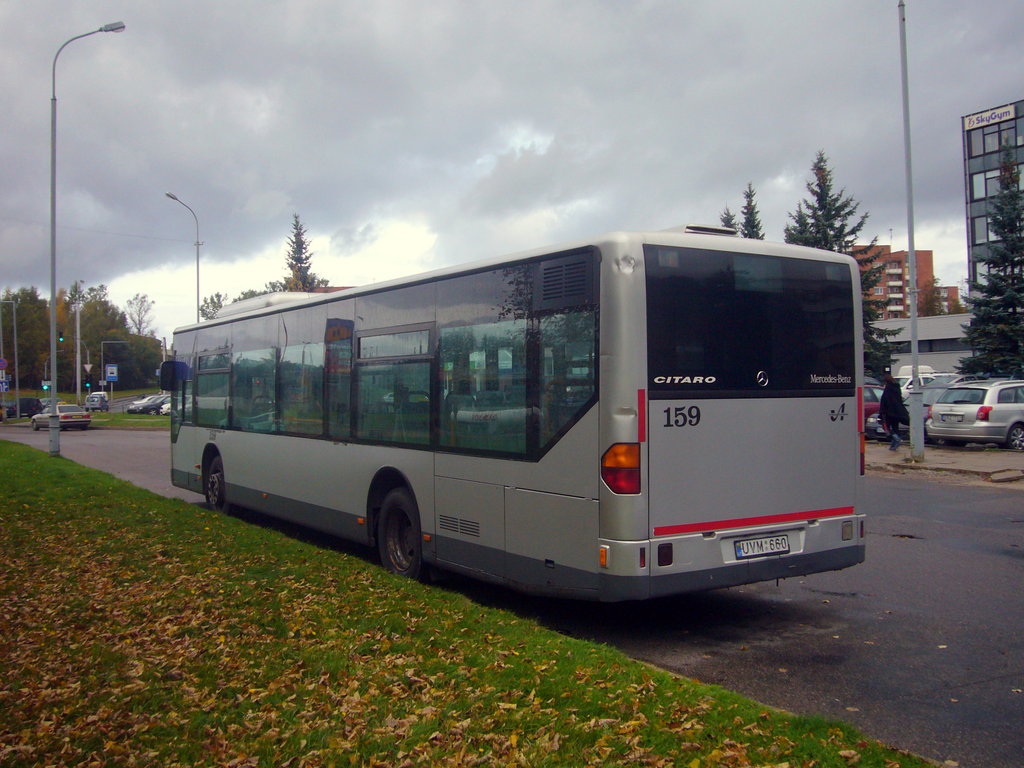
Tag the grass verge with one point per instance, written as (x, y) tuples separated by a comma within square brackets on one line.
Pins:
[(138, 630), (130, 420)]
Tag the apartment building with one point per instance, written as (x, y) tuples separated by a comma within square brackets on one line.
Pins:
[(894, 287)]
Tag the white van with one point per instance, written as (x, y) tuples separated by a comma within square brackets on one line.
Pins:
[(925, 375), (96, 401)]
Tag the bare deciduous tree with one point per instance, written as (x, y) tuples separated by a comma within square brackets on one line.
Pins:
[(139, 311)]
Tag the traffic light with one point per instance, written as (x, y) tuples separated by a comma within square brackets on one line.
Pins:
[(45, 387), (60, 336), (88, 384)]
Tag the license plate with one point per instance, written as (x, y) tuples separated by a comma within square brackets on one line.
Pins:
[(761, 547), (952, 417)]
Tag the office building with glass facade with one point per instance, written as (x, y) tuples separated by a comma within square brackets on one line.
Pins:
[(984, 135)]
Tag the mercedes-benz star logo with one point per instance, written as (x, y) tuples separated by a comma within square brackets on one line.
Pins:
[(762, 378)]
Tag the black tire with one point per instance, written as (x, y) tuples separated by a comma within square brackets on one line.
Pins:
[(35, 425), (214, 486), (1015, 438), (399, 536)]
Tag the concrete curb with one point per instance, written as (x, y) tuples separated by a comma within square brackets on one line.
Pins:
[(996, 476)]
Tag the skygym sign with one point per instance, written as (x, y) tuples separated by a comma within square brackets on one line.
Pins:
[(989, 116)]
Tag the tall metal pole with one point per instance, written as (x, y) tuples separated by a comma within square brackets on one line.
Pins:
[(17, 376), (78, 348), (174, 197), (3, 374), (116, 26), (916, 396)]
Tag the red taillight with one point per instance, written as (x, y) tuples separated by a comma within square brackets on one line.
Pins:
[(983, 413), (620, 467)]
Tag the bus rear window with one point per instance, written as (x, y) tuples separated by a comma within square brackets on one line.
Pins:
[(723, 324)]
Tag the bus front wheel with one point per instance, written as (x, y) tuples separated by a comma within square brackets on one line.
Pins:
[(214, 485), (399, 537)]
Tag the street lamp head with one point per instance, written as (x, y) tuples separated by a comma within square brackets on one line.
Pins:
[(114, 26), (172, 196)]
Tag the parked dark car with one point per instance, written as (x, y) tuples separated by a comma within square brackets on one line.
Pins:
[(873, 428), (149, 404), (30, 406)]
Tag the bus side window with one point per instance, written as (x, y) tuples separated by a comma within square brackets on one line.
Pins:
[(338, 377), (301, 388), (394, 402), (212, 391), (253, 376), (483, 370), (393, 382), (186, 408), (568, 368)]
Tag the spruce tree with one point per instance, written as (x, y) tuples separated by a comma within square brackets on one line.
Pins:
[(996, 333), (828, 220), (728, 219), (300, 275), (750, 227)]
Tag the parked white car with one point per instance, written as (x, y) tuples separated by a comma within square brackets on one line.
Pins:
[(70, 417), (980, 412)]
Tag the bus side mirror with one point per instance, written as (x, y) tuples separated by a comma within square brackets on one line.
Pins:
[(171, 372)]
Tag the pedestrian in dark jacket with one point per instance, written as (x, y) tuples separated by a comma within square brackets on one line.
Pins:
[(892, 411)]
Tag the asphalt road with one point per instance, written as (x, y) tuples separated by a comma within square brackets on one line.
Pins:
[(921, 647)]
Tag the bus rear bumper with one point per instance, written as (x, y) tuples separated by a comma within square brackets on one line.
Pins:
[(616, 588)]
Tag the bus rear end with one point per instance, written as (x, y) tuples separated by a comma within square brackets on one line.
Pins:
[(750, 449)]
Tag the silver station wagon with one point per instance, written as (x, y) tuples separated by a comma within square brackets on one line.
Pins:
[(980, 412)]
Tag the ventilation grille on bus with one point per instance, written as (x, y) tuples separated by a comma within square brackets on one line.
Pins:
[(565, 282), (458, 525)]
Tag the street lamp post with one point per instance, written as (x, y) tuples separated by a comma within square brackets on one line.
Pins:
[(115, 26), (17, 378), (174, 197), (916, 396), (78, 343)]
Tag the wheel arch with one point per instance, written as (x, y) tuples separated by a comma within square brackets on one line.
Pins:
[(1009, 433), (386, 480), (210, 452)]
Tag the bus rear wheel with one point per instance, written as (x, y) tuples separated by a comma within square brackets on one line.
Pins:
[(399, 536), (214, 486)]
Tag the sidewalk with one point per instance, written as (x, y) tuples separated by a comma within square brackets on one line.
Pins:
[(997, 466)]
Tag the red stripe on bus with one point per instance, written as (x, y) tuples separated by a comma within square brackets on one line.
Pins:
[(641, 411), (743, 522)]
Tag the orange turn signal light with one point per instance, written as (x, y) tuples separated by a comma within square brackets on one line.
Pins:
[(620, 467)]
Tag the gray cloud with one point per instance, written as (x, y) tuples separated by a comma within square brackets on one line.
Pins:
[(497, 125)]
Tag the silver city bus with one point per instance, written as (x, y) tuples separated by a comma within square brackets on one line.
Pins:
[(637, 415)]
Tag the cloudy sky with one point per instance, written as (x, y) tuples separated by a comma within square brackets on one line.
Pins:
[(412, 135)]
